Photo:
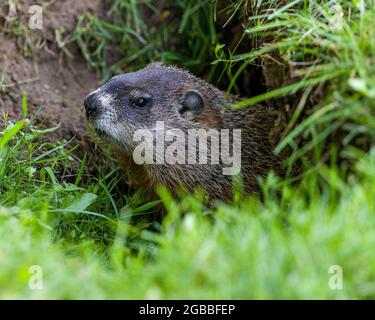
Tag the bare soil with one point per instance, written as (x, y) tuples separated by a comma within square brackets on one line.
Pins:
[(32, 62)]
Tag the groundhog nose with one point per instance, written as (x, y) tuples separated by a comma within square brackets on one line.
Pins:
[(91, 104)]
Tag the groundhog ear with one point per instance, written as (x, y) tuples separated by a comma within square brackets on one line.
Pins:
[(192, 103)]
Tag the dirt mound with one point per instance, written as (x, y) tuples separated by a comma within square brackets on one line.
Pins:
[(31, 61)]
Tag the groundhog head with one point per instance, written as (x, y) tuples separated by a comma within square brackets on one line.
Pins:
[(137, 100)]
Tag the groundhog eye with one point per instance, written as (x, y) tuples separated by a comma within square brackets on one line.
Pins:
[(140, 102)]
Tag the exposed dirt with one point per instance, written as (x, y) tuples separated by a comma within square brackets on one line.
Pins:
[(32, 62)]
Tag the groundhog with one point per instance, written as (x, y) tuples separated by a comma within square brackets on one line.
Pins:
[(171, 115)]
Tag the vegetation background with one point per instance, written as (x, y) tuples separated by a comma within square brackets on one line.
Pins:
[(66, 208)]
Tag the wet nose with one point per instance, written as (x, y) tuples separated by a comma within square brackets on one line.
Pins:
[(91, 104)]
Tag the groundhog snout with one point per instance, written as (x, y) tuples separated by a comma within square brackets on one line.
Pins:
[(92, 105)]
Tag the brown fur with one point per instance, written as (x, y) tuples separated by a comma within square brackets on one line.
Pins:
[(168, 86)]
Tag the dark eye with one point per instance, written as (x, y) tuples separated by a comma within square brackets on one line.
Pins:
[(140, 102)]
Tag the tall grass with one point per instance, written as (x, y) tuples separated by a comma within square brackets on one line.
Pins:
[(178, 32), (48, 180), (328, 48), (89, 246)]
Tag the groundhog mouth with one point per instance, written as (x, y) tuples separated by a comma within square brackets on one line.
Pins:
[(101, 133)]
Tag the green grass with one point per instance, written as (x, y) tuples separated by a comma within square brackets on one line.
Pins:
[(93, 238), (282, 247), (187, 42), (329, 48)]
